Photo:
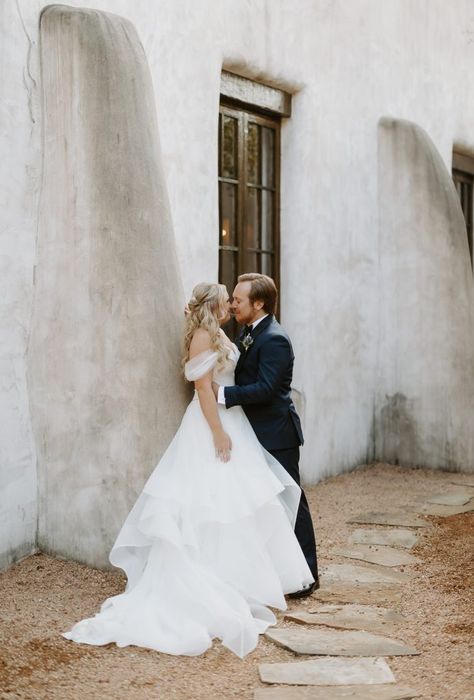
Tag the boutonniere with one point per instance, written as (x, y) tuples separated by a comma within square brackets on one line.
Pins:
[(247, 341)]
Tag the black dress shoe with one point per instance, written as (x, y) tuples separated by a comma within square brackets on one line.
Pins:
[(304, 592)]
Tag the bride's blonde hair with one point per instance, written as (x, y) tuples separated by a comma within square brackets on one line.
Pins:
[(206, 306)]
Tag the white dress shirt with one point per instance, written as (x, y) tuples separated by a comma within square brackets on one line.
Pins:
[(220, 392)]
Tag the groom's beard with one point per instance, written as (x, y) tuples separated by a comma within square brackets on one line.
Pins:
[(233, 317)]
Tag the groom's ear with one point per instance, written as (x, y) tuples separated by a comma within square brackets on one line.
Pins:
[(258, 304)]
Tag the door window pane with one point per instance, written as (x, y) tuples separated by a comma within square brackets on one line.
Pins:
[(267, 264), (227, 269), (268, 151), (228, 207), (252, 237), (253, 154), (251, 262), (267, 220), (229, 147)]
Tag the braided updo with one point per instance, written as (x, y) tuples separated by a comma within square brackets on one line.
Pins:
[(206, 307)]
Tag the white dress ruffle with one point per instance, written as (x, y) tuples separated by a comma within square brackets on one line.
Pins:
[(208, 545)]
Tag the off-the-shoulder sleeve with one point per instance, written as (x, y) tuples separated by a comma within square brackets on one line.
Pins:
[(200, 365)]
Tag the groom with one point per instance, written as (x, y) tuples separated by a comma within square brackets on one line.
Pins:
[(263, 382)]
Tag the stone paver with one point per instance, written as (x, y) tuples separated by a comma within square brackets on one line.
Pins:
[(445, 511), (329, 642), (328, 671), (403, 519), (455, 498), (350, 692), (464, 481), (373, 594), (351, 617), (377, 554), (350, 573), (339, 631), (397, 537)]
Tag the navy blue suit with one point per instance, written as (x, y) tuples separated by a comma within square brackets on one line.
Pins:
[(263, 378)]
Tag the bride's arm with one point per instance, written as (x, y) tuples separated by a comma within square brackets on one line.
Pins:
[(222, 442)]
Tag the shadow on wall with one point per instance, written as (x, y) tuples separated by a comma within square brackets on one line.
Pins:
[(425, 393), (104, 355), (397, 426)]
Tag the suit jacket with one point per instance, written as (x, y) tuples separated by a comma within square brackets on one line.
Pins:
[(263, 384)]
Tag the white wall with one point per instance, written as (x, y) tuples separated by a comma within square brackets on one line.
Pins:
[(425, 389), (348, 63), (104, 356), (362, 60), (19, 188)]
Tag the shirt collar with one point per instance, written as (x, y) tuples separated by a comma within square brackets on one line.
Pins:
[(255, 323)]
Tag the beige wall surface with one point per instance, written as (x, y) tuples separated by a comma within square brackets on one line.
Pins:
[(104, 363), (347, 64), (425, 387)]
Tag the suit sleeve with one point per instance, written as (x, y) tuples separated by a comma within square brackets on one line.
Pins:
[(274, 359)]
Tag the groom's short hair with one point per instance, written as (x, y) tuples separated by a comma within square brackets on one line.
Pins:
[(262, 288)]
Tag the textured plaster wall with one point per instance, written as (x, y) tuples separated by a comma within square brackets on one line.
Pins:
[(19, 188), (425, 390), (347, 64), (362, 60), (104, 353)]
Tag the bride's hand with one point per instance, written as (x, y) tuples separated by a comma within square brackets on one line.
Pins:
[(223, 445)]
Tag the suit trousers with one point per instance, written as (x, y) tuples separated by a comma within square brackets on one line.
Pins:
[(304, 531)]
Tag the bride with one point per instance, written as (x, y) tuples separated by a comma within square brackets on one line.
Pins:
[(209, 545)]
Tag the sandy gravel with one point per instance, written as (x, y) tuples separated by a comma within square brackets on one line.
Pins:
[(41, 596)]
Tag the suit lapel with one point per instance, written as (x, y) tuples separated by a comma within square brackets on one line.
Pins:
[(255, 333), (261, 327), (238, 342)]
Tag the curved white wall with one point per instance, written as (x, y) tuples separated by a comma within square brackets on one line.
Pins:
[(104, 355), (425, 387)]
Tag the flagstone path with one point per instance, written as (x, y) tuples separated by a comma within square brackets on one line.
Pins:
[(463, 480), (352, 630), (404, 519), (350, 692), (445, 511), (395, 537), (377, 554), (329, 642), (361, 574), (361, 593), (455, 498), (328, 671), (367, 617)]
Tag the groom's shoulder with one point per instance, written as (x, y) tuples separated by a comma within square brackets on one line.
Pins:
[(275, 330)]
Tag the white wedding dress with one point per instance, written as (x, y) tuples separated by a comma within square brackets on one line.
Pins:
[(208, 545)]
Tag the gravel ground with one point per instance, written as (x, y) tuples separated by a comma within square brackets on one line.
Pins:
[(42, 596)]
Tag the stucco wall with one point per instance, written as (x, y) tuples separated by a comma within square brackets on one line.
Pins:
[(425, 387), (347, 64), (104, 352), (19, 187)]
